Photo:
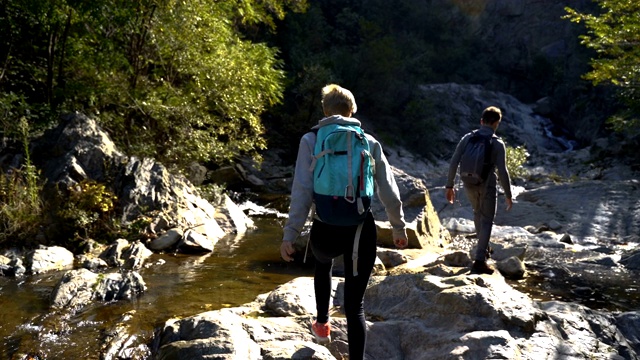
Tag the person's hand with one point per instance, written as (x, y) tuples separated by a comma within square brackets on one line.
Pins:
[(286, 250), (401, 243), (509, 203), (451, 195)]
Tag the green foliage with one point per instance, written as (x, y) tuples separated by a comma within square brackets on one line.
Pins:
[(176, 80), (207, 87), (626, 122), (20, 212), (614, 35), (87, 212), (20, 204), (213, 193), (516, 158), (30, 171), (138, 229), (94, 197)]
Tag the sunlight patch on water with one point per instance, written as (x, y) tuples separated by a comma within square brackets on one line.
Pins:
[(30, 327), (179, 285), (253, 209)]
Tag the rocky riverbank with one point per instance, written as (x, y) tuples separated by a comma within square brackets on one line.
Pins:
[(413, 316), (568, 236), (571, 237)]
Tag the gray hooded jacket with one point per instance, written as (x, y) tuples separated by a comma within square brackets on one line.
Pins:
[(498, 158), (302, 189)]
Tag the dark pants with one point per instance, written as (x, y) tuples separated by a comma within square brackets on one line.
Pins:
[(328, 242), (483, 201)]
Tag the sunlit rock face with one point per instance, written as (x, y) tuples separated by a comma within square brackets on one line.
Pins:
[(78, 150), (412, 316)]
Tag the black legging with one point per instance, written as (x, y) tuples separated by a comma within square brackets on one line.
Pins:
[(328, 242)]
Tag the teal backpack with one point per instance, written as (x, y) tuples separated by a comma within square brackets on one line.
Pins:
[(343, 183)]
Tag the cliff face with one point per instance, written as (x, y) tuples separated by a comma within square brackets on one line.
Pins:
[(525, 41)]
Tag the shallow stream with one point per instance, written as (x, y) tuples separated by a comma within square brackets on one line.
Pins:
[(234, 274), (177, 286)]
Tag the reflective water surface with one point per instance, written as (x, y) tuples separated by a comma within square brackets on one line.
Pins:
[(235, 273), (177, 286)]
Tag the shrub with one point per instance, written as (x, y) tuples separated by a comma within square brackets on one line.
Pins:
[(20, 204), (516, 158), (88, 211)]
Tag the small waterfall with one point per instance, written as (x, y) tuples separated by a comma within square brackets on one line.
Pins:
[(557, 134)]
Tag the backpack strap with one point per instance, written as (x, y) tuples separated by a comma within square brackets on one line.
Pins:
[(349, 193), (356, 246), (488, 152), (360, 186), (315, 158)]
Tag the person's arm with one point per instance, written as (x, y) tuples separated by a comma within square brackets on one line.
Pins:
[(389, 195), (503, 172), (301, 196), (509, 203), (450, 193)]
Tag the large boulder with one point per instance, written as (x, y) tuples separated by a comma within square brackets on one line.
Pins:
[(144, 186), (49, 258), (79, 150), (430, 231), (122, 253), (78, 288), (423, 233), (412, 316)]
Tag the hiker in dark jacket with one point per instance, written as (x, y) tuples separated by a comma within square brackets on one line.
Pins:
[(329, 241), (483, 196)]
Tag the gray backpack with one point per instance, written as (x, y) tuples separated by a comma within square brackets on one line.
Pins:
[(475, 163)]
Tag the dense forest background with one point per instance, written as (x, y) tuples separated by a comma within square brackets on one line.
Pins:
[(209, 82), (383, 51)]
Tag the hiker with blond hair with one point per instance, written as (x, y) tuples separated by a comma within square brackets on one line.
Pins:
[(337, 150)]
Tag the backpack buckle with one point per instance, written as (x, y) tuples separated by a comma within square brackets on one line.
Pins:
[(349, 194)]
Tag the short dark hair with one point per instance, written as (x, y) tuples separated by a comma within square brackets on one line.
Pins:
[(491, 114)]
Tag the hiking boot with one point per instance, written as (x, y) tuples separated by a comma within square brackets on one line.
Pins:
[(481, 267), (322, 332)]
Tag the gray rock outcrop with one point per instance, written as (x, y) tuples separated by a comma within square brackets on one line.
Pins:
[(418, 316), (49, 258), (78, 288), (78, 150)]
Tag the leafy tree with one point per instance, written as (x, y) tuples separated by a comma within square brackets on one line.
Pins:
[(614, 34), (177, 80), (200, 90)]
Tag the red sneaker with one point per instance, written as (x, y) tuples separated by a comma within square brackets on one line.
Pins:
[(322, 332)]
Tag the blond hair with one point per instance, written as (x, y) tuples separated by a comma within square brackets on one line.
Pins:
[(337, 100)]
